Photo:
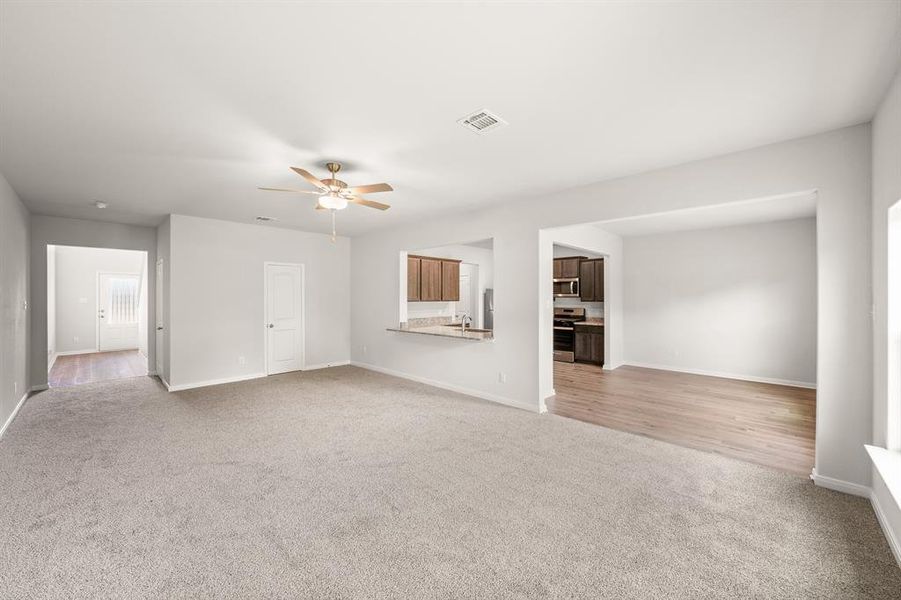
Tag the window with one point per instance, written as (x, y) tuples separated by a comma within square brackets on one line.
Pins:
[(123, 300)]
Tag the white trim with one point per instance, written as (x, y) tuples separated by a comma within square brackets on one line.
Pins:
[(339, 363), (74, 352), (788, 382), (450, 387), (199, 384), (887, 464), (52, 361), (840, 485), (163, 381), (893, 543), (39, 388), (13, 414)]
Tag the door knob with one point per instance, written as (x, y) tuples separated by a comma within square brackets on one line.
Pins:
[(159, 328), (270, 325)]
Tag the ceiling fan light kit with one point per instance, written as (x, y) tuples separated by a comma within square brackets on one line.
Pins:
[(334, 194)]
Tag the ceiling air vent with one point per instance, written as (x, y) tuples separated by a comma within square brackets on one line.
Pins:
[(482, 121), (264, 219)]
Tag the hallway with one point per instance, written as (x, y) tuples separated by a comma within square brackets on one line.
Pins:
[(97, 366)]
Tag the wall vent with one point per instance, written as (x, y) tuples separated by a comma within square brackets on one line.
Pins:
[(264, 219), (481, 121)]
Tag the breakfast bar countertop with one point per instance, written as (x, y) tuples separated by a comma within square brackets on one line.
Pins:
[(448, 331)]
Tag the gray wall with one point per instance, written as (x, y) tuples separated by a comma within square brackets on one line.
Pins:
[(76, 280), (14, 294), (836, 164), (887, 314), (78, 232), (731, 301), (216, 297)]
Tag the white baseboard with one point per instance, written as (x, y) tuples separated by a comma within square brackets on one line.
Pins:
[(893, 542), (199, 384), (74, 352), (339, 363), (449, 387), (163, 381), (839, 485), (13, 414), (788, 382), (39, 388), (52, 361)]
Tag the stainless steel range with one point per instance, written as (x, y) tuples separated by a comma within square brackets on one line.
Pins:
[(564, 335)]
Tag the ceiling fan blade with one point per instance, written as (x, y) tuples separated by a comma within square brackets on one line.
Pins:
[(309, 177), (369, 203), (269, 189), (371, 188)]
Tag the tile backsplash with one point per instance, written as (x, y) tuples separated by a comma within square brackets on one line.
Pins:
[(592, 309)]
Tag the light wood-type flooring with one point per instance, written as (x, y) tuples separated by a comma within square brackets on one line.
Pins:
[(98, 366), (768, 424)]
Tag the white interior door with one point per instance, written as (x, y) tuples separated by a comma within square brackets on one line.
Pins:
[(284, 318), (159, 317), (118, 310)]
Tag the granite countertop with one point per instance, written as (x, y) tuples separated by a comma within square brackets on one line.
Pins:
[(445, 331), (593, 321)]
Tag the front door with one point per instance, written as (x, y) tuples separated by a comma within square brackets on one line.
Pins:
[(284, 318), (118, 303)]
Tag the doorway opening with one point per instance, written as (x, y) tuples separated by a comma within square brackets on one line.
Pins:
[(96, 314), (708, 338)]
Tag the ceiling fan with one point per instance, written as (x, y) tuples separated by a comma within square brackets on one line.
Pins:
[(334, 194)]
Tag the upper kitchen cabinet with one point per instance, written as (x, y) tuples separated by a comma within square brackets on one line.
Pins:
[(568, 267), (450, 280), (591, 280), (413, 278), (432, 279), (429, 279)]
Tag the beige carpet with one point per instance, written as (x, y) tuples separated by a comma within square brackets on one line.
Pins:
[(343, 483)]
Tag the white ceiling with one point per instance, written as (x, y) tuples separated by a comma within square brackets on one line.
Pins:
[(188, 107), (777, 208)]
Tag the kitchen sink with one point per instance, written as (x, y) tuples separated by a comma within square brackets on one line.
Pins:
[(472, 329)]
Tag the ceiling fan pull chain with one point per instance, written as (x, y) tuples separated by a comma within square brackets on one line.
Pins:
[(333, 211)]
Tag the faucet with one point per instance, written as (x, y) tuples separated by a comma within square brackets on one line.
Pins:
[(463, 322)]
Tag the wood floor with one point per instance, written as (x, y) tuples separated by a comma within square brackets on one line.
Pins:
[(98, 366), (771, 425)]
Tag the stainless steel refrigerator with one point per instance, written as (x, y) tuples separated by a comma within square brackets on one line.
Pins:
[(489, 309)]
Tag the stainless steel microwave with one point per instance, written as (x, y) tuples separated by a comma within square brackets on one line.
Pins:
[(566, 287)]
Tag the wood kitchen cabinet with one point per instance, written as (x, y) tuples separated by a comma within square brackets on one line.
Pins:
[(567, 267), (589, 344), (413, 272), (450, 280), (432, 279), (591, 280)]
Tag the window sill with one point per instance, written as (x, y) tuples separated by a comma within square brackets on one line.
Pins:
[(888, 464)]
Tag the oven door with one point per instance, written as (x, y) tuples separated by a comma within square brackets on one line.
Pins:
[(564, 344)]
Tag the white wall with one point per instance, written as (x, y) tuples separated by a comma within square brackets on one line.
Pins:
[(14, 297), (836, 164), (216, 297), (77, 232), (886, 301), (51, 306), (76, 292), (734, 301)]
